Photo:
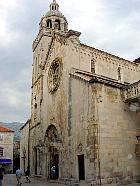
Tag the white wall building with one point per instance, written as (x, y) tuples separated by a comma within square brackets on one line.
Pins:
[(6, 148)]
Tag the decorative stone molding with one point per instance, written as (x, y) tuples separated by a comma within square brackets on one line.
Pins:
[(110, 57)]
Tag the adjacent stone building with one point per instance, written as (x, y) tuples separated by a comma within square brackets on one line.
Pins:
[(6, 148), (84, 109), (24, 146)]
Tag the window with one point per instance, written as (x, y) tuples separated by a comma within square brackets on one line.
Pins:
[(1, 137), (49, 23), (52, 133), (119, 73), (35, 105), (93, 66), (35, 111), (1, 151)]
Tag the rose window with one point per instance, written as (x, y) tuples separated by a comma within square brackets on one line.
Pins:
[(54, 75)]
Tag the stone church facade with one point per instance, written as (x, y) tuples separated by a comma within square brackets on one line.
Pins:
[(84, 109)]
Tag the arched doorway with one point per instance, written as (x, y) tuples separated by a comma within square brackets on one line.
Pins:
[(52, 140)]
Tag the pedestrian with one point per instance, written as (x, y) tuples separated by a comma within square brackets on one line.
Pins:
[(19, 174), (27, 174), (53, 171), (1, 174)]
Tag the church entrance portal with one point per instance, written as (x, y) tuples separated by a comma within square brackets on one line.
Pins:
[(52, 140)]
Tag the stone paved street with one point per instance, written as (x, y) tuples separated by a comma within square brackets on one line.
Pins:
[(10, 180)]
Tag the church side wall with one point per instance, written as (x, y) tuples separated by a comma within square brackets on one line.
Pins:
[(84, 129), (118, 130)]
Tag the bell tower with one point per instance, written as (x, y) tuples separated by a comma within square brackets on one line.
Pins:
[(53, 22), (54, 19)]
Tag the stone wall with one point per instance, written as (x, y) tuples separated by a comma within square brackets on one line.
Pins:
[(24, 145), (118, 129)]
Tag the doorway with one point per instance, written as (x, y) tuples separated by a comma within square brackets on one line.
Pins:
[(35, 162), (81, 167), (54, 161)]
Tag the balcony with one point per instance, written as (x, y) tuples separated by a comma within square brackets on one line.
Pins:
[(132, 93)]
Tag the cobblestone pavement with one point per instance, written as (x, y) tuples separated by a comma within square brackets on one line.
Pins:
[(10, 180)]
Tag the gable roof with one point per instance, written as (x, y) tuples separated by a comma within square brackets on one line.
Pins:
[(4, 129)]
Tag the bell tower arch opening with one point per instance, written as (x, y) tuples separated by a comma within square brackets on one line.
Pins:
[(49, 23)]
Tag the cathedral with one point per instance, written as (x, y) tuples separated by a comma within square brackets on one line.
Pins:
[(85, 109)]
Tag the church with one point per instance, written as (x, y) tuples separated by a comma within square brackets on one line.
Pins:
[(85, 109)]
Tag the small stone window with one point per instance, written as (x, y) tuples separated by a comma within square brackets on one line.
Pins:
[(35, 105), (1, 137), (35, 111), (119, 73), (93, 66)]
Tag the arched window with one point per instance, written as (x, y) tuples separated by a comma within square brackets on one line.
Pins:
[(49, 24), (52, 133), (93, 66)]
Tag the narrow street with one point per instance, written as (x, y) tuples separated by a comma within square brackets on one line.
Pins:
[(10, 180)]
